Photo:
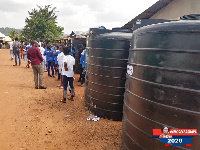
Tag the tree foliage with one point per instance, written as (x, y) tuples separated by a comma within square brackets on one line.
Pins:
[(42, 24), (8, 30), (13, 34)]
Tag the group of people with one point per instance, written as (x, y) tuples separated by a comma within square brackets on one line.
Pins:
[(57, 58)]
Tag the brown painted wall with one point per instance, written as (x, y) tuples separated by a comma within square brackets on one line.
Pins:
[(178, 8)]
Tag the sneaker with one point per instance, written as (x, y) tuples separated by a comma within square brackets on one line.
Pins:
[(53, 76), (36, 87), (42, 87), (50, 75)]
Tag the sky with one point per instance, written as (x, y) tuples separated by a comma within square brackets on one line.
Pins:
[(75, 15)]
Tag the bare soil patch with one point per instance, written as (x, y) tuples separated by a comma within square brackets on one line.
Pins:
[(32, 119)]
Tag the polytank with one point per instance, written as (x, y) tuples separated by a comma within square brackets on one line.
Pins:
[(163, 84), (106, 62)]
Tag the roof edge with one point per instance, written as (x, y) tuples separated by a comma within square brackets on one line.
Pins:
[(148, 13)]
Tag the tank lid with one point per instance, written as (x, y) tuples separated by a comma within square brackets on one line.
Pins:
[(190, 17), (181, 25), (117, 35), (122, 30)]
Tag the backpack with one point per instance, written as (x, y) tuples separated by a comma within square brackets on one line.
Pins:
[(16, 47)]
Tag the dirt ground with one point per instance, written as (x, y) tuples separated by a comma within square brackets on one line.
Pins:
[(34, 119)]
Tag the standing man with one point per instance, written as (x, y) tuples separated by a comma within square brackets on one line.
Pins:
[(82, 59), (55, 53), (36, 59), (50, 59), (44, 57), (16, 51), (11, 49), (39, 43)]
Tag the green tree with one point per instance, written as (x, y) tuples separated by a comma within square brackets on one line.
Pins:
[(42, 24), (13, 34)]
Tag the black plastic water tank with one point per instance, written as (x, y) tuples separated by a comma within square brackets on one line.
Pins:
[(164, 86), (78, 45), (106, 61)]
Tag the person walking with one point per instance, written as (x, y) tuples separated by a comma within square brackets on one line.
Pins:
[(36, 59), (16, 51), (68, 74)]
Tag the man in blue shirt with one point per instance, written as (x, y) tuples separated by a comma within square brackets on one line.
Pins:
[(49, 59), (82, 58), (55, 53)]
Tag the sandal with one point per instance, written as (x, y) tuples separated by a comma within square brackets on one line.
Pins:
[(71, 99)]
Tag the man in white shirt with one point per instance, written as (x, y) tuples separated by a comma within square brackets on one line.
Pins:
[(39, 43), (11, 49), (60, 59), (68, 73), (44, 57)]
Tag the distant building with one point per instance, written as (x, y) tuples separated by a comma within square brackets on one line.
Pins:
[(1, 36), (1, 39)]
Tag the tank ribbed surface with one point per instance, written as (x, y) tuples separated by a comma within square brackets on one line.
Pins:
[(106, 61), (164, 86)]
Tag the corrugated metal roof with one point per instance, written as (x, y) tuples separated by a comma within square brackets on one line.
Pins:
[(2, 35), (149, 12)]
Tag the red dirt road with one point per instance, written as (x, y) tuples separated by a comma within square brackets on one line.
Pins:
[(34, 119)]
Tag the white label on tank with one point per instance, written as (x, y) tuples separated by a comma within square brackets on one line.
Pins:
[(138, 21), (130, 70)]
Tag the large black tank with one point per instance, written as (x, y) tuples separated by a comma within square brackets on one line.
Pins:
[(78, 46), (164, 86), (106, 61)]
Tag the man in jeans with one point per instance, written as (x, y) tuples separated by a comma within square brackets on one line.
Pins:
[(36, 59), (16, 51)]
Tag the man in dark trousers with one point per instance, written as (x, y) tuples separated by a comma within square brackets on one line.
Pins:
[(16, 51), (36, 59)]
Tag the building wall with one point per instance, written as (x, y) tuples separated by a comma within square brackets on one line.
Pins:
[(178, 8)]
